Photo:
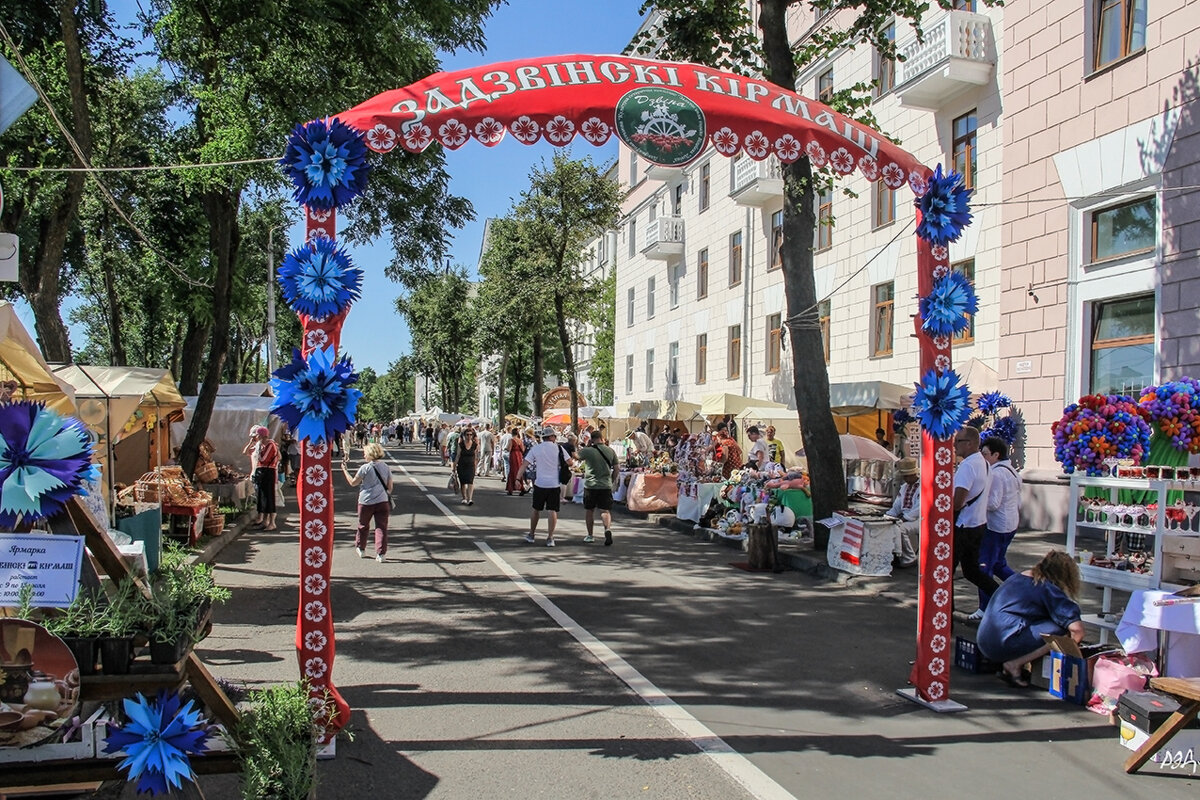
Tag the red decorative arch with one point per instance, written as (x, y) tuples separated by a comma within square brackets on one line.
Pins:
[(670, 113)]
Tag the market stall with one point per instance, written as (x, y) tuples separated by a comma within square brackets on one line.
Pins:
[(25, 371), (233, 414)]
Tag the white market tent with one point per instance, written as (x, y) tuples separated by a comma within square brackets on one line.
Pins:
[(722, 403), (232, 416)]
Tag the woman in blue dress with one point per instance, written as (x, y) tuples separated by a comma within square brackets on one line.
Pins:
[(1027, 605)]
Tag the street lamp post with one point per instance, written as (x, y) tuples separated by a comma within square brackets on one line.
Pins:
[(272, 350)]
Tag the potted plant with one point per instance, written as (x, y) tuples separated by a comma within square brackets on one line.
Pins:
[(276, 741), (183, 594), (123, 617), (79, 626)]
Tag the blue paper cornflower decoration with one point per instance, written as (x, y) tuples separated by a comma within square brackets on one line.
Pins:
[(327, 163), (942, 403), (945, 209), (157, 740), (318, 279), (991, 402), (315, 397), (44, 458), (1005, 428), (944, 310)]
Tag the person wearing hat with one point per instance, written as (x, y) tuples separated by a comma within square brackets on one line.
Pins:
[(544, 460), (264, 461), (906, 510)]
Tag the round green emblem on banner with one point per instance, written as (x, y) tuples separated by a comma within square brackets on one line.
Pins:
[(661, 125)]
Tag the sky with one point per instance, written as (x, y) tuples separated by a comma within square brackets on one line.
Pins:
[(490, 177)]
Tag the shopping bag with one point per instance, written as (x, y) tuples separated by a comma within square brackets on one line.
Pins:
[(1116, 673), (452, 484)]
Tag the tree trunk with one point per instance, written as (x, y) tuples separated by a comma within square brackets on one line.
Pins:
[(191, 356), (40, 276), (564, 339), (539, 377), (115, 340), (811, 381), (176, 346), (221, 209)]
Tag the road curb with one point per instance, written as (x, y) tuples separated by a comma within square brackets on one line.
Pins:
[(208, 554)]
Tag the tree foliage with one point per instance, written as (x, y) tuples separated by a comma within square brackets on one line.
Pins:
[(441, 321)]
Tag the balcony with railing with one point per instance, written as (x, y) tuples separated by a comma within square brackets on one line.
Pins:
[(664, 239), (756, 183), (658, 172), (959, 53)]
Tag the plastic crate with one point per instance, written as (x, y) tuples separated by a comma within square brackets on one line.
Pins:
[(967, 657)]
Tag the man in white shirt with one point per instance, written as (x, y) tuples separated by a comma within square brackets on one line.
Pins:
[(487, 444), (643, 442), (505, 441), (543, 459), (971, 483), (1003, 513), (906, 511), (759, 455)]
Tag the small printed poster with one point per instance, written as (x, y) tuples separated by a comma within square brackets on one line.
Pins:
[(48, 562)]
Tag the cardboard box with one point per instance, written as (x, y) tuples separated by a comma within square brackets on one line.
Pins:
[(1181, 752), (1146, 711), (1070, 667)]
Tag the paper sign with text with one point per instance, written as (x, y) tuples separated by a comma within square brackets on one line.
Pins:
[(49, 563)]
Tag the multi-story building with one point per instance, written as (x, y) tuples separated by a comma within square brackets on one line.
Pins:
[(700, 300), (1101, 220), (1076, 127)]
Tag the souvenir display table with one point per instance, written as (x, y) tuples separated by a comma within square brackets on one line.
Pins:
[(862, 545), (239, 494), (797, 500), (695, 498), (1179, 624)]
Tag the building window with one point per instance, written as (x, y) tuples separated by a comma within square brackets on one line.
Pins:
[(964, 154), (673, 363), (1122, 345), (774, 337), (702, 274), (632, 238), (964, 5), (825, 219), (653, 214), (633, 169), (1125, 229), (881, 320), (673, 285), (629, 307), (823, 309), (677, 200), (735, 258), (885, 204), (650, 369), (776, 241), (1119, 30), (702, 358), (629, 374), (885, 68), (825, 86), (705, 186), (735, 351), (967, 270), (650, 298)]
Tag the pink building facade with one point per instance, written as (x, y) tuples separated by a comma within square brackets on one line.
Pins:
[(1100, 232)]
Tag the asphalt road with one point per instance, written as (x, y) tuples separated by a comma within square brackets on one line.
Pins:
[(479, 666)]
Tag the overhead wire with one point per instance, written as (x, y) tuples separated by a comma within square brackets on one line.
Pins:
[(91, 171)]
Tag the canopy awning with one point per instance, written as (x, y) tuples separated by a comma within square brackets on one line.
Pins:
[(723, 403), (862, 397), (124, 391), (21, 361), (979, 377), (666, 409), (244, 390)]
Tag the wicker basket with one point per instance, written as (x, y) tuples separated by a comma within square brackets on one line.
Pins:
[(206, 472), (214, 523)]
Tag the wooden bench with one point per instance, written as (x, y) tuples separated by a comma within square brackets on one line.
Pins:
[(1187, 692)]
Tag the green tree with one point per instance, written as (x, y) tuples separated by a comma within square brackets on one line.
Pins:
[(441, 320), (245, 69), (722, 33), (604, 322)]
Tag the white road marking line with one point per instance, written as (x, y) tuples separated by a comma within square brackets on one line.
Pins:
[(734, 764), (450, 515)]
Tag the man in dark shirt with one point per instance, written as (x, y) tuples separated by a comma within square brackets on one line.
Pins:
[(599, 473)]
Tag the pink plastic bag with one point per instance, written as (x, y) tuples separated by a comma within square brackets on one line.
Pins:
[(1115, 674)]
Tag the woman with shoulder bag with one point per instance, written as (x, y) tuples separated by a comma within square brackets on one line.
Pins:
[(264, 461), (374, 498), (516, 463), (466, 458)]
